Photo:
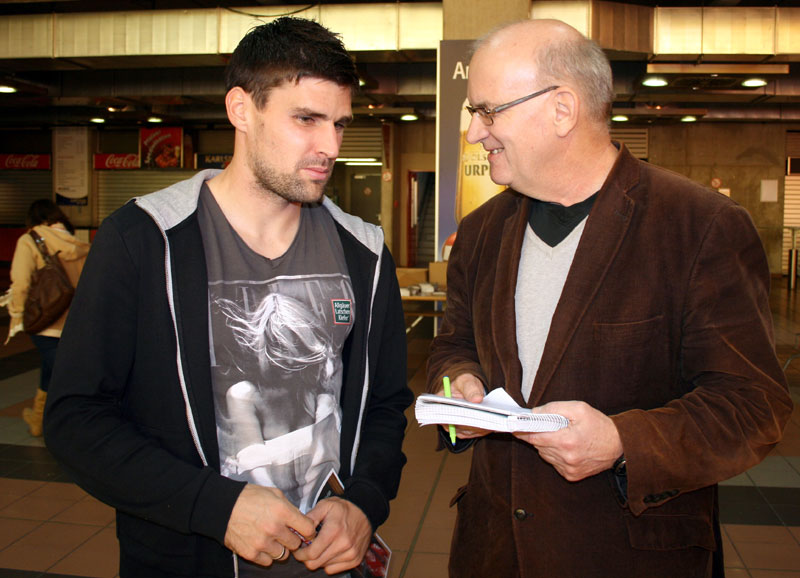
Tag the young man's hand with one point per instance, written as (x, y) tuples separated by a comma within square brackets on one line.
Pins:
[(261, 524), (342, 540)]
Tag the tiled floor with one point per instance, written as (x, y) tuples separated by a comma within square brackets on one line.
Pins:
[(49, 527)]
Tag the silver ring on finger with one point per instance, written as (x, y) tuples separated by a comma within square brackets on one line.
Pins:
[(280, 556)]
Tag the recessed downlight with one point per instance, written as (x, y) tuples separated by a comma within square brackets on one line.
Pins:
[(654, 81), (689, 118), (754, 82), (619, 118)]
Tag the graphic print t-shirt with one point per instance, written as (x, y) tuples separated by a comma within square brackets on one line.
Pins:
[(277, 328)]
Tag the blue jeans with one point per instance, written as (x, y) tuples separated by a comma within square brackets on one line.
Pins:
[(47, 347)]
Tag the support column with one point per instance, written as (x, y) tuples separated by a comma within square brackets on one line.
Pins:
[(471, 19)]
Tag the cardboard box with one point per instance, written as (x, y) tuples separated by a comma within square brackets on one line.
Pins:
[(411, 276), (437, 274)]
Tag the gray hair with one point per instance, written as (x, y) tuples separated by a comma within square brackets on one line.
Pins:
[(583, 62), (574, 59)]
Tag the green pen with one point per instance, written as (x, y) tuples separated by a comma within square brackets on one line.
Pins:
[(446, 382)]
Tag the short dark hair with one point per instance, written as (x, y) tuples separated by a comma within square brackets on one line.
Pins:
[(46, 212), (287, 50)]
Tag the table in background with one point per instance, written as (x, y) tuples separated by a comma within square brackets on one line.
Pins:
[(437, 301)]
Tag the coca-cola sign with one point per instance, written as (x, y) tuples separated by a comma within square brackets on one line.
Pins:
[(25, 162), (115, 161)]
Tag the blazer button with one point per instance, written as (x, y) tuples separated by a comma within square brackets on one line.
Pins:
[(520, 514)]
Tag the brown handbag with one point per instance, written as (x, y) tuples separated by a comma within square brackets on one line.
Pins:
[(50, 291)]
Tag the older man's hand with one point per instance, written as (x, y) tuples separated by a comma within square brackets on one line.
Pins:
[(590, 444)]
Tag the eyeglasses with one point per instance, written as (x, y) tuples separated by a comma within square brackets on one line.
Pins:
[(487, 115)]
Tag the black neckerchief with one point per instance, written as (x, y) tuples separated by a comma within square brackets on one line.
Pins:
[(553, 222)]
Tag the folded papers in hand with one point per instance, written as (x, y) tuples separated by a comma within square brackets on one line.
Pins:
[(497, 412)]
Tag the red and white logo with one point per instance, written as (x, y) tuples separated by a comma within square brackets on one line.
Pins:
[(116, 161), (25, 162)]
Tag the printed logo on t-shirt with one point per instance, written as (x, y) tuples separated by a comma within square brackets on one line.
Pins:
[(341, 311)]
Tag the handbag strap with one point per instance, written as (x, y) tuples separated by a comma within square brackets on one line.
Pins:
[(40, 244)]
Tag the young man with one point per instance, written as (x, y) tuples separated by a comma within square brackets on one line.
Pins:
[(620, 295), (235, 338)]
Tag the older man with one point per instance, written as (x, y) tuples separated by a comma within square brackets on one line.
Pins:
[(620, 295)]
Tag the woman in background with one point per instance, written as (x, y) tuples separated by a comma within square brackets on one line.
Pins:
[(47, 219)]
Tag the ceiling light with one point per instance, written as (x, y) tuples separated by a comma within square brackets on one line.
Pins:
[(363, 164), (97, 120), (754, 82), (409, 117), (5, 89), (654, 81), (619, 118), (356, 160), (688, 118), (154, 119)]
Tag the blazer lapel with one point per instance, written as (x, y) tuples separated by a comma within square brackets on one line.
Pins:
[(602, 236)]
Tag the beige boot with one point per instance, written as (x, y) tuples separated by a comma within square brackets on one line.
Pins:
[(33, 416)]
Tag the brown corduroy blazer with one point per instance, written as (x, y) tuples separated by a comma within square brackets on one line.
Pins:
[(663, 324)]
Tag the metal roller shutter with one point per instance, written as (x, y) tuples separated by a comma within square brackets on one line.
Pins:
[(115, 188), (18, 189), (362, 142), (791, 217), (635, 140)]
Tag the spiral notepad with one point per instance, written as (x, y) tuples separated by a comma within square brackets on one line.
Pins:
[(497, 412)]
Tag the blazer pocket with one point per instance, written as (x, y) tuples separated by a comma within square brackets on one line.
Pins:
[(625, 355), (670, 532), (628, 333)]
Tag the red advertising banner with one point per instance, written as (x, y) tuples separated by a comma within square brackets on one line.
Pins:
[(161, 148), (116, 161), (25, 162)]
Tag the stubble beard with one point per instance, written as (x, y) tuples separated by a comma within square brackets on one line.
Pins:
[(287, 186)]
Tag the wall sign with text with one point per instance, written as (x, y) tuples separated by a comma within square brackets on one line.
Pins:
[(25, 162)]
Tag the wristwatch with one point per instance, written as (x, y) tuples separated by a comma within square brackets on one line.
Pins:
[(619, 468)]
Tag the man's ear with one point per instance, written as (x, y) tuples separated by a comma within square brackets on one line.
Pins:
[(567, 109), (237, 103)]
